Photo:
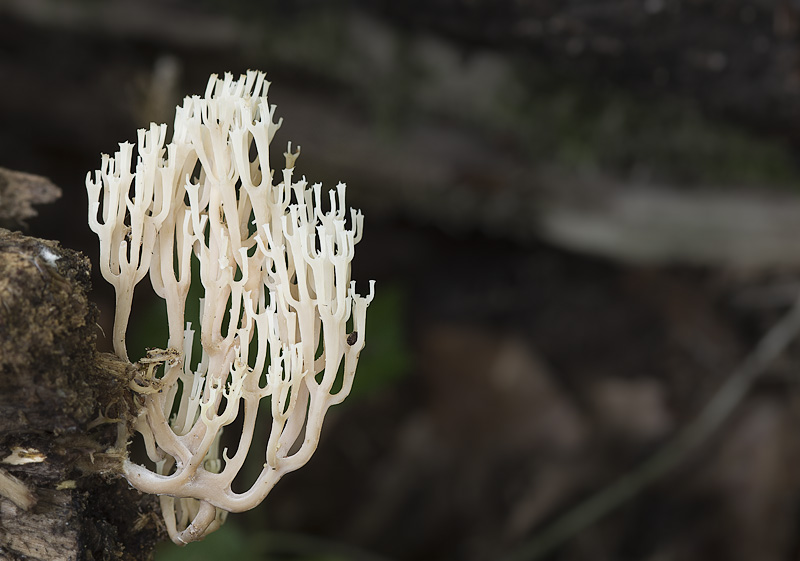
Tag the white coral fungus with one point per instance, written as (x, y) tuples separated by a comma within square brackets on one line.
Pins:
[(279, 321)]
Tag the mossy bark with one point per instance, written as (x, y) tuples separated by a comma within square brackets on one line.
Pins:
[(61, 497)]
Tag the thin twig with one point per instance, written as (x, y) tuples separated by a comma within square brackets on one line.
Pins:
[(713, 415)]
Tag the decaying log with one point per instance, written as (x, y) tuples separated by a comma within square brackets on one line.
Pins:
[(19, 191), (60, 497)]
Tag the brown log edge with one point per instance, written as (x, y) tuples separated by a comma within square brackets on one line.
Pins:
[(61, 495)]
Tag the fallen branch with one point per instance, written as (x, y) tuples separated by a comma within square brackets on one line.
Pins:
[(697, 432)]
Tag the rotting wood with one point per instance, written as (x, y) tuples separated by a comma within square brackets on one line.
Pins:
[(53, 384)]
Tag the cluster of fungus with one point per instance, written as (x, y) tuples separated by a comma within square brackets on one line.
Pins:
[(280, 325)]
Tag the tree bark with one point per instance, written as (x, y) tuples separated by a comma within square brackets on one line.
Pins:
[(61, 496)]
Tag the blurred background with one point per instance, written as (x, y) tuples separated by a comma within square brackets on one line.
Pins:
[(581, 216)]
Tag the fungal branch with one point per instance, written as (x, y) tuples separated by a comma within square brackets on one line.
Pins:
[(280, 321)]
